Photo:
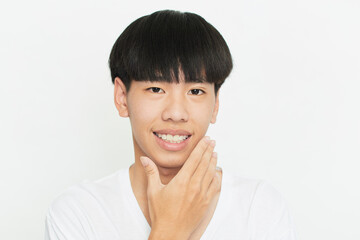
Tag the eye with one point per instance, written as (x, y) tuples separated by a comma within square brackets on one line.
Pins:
[(197, 92), (155, 89)]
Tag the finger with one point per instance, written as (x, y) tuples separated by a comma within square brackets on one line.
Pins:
[(215, 185), (193, 160), (204, 164), (210, 173), (152, 172)]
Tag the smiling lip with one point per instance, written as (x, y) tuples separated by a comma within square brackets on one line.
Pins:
[(173, 132), (172, 146)]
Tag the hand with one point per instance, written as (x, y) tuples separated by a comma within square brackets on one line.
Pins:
[(176, 209)]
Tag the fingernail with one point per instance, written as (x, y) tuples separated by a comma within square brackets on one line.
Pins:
[(207, 139), (144, 161), (212, 143)]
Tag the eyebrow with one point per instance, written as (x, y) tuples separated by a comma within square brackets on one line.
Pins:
[(196, 80), (200, 80)]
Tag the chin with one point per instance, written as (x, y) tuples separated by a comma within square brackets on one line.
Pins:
[(171, 163)]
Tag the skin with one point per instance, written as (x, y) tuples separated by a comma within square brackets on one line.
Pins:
[(159, 105)]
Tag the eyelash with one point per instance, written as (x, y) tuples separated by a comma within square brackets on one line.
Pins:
[(152, 88), (199, 91)]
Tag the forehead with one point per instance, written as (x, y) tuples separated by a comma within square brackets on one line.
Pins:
[(176, 77), (173, 84)]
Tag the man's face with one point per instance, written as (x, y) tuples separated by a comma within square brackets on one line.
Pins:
[(159, 109)]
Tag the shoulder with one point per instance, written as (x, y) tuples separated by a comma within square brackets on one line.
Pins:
[(69, 200), (65, 218), (76, 201), (270, 215), (267, 211), (261, 193), (82, 209), (238, 187)]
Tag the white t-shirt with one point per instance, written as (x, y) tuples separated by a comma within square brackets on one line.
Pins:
[(106, 209)]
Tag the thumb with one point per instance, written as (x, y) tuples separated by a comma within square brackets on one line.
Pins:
[(151, 170)]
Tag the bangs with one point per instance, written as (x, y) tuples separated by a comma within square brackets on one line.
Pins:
[(159, 46)]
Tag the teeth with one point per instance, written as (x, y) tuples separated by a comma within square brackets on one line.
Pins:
[(171, 138)]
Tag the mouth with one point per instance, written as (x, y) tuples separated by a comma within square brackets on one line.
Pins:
[(171, 142), (172, 138)]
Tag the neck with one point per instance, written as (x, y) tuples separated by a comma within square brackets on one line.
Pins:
[(138, 177)]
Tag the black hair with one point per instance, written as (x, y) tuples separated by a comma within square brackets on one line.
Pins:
[(156, 46)]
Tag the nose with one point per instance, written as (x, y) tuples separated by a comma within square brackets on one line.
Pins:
[(175, 109)]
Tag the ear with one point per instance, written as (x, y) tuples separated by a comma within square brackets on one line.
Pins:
[(120, 97), (216, 108)]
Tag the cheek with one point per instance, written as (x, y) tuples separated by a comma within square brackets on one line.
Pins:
[(142, 115), (142, 112), (202, 114)]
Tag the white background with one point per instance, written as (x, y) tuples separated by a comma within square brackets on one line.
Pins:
[(289, 111)]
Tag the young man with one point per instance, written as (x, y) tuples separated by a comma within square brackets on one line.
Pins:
[(167, 69)]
